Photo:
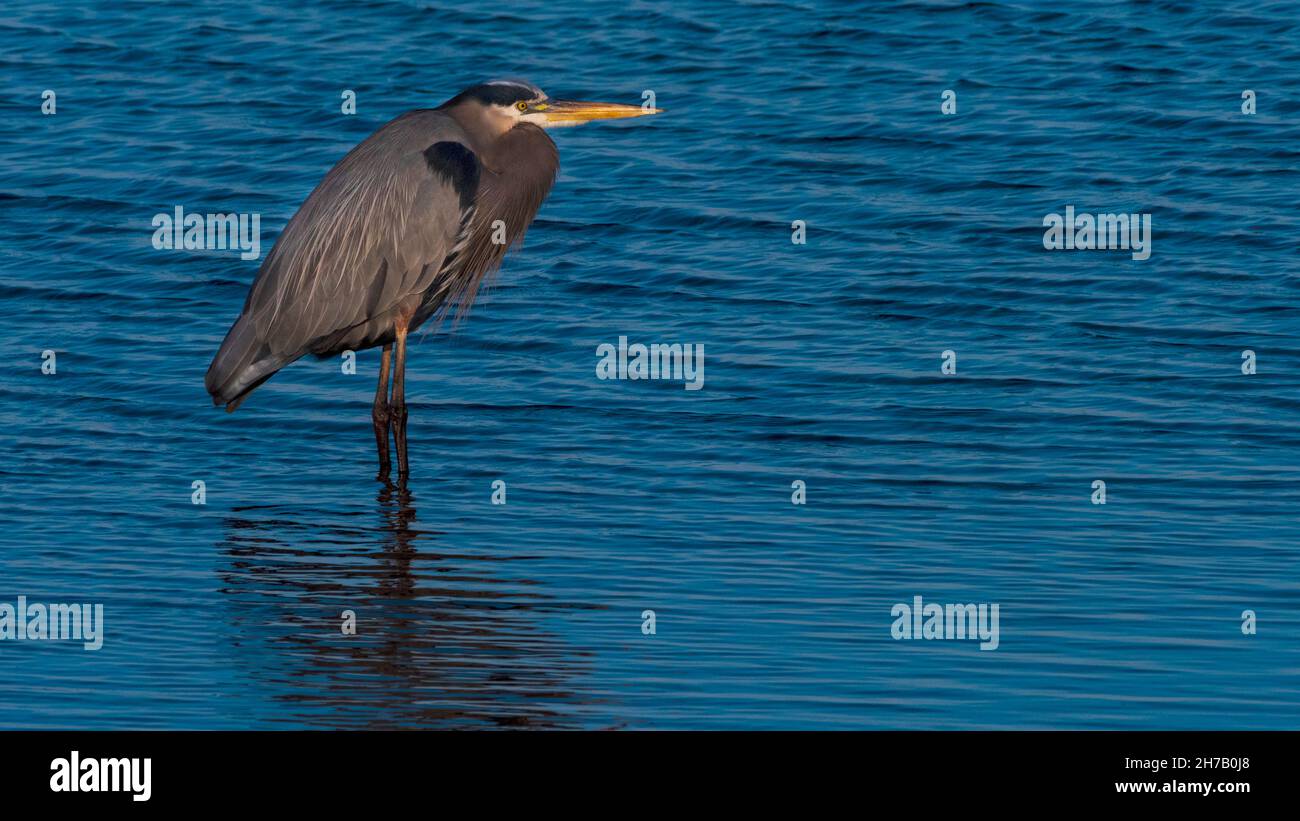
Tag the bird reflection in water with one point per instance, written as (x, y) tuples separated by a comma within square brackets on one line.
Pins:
[(442, 639)]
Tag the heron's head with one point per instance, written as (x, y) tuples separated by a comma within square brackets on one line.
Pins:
[(499, 105)]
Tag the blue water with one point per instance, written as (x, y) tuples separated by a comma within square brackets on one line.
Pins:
[(822, 364)]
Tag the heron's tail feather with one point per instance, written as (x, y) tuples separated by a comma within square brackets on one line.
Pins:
[(243, 362)]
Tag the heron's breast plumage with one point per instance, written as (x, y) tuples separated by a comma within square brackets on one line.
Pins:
[(512, 180)]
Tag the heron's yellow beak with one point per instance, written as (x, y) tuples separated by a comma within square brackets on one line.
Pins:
[(574, 112)]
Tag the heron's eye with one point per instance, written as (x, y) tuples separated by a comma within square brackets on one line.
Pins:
[(521, 105)]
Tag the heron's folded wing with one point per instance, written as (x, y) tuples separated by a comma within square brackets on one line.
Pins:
[(377, 229)]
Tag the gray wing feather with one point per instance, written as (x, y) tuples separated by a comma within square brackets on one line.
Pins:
[(375, 231)]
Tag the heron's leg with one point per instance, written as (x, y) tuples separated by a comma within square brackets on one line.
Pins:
[(380, 416), (397, 408)]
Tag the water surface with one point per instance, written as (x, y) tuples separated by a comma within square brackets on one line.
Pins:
[(822, 365)]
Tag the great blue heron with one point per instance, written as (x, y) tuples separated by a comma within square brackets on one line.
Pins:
[(406, 225)]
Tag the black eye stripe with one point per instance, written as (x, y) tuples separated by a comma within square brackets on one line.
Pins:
[(501, 94)]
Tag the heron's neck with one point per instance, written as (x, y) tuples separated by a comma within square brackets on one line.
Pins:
[(484, 129)]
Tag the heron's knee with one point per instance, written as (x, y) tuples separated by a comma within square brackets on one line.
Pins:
[(380, 413), (397, 412)]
